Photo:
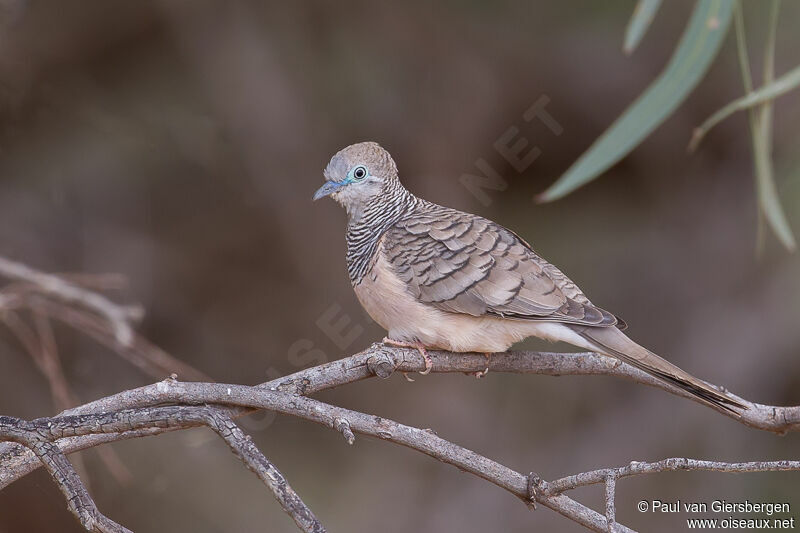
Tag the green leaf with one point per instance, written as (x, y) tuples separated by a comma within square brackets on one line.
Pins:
[(643, 15), (767, 192), (697, 48), (761, 130), (767, 93)]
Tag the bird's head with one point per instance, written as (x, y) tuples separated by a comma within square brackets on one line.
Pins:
[(358, 175)]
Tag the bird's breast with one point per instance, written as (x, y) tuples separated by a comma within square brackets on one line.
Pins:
[(390, 302), (387, 299)]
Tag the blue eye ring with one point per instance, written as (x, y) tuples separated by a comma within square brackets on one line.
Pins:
[(359, 172)]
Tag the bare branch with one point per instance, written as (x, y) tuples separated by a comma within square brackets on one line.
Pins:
[(61, 470), (425, 441), (243, 447), (39, 432), (141, 353), (610, 495), (15, 463), (665, 465), (141, 411), (69, 298), (118, 317)]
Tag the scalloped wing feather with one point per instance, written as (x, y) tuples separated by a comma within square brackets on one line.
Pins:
[(463, 263)]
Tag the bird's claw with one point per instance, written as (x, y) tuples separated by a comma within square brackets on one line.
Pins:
[(419, 347), (428, 361), (482, 373)]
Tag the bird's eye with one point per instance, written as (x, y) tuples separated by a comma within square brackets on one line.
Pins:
[(360, 172)]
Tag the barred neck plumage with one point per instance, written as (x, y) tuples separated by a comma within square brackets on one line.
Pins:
[(377, 216)]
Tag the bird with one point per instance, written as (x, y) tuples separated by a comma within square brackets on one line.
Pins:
[(438, 278)]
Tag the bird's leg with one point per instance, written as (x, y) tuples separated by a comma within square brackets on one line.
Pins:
[(483, 373), (419, 346)]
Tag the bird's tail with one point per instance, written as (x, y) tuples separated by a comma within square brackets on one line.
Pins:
[(611, 341)]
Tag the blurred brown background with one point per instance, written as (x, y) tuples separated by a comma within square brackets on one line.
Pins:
[(179, 143)]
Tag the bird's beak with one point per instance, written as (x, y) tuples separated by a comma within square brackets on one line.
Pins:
[(329, 188)]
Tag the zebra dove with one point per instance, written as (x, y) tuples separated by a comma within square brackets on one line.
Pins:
[(438, 278)]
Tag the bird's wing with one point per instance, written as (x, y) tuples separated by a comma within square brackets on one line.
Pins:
[(463, 263)]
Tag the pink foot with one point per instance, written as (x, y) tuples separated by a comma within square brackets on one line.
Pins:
[(417, 345)]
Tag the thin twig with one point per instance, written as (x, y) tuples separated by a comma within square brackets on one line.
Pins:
[(49, 363), (119, 317), (665, 465), (64, 298), (141, 353)]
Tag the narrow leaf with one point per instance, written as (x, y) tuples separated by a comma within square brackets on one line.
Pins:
[(761, 129), (643, 15), (747, 80), (770, 91), (767, 192), (697, 48)]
